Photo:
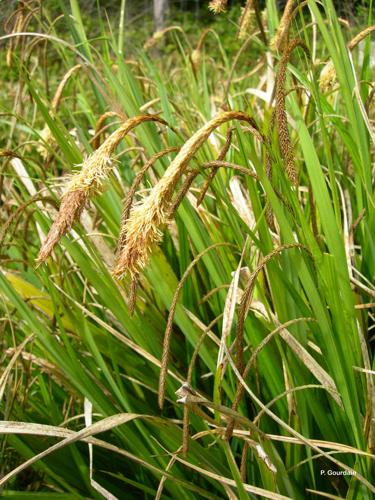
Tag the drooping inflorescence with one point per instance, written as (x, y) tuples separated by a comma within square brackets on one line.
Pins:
[(94, 171), (143, 228), (285, 145)]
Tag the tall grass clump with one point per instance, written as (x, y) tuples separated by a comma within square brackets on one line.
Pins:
[(187, 263)]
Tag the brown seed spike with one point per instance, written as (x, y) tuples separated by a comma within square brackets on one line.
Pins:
[(71, 208), (281, 36), (281, 118)]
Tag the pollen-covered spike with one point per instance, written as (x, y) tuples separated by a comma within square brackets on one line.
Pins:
[(143, 228), (218, 6), (94, 170)]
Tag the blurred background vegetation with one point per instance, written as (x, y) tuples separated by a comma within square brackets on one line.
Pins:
[(193, 14)]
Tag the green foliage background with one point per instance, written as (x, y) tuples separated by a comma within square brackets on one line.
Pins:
[(67, 335)]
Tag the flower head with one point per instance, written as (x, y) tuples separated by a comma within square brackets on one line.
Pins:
[(218, 6)]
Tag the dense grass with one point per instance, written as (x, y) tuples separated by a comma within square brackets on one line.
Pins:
[(289, 267)]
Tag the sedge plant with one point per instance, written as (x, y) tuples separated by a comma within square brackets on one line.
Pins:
[(187, 263)]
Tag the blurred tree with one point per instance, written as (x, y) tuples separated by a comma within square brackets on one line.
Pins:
[(160, 13)]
